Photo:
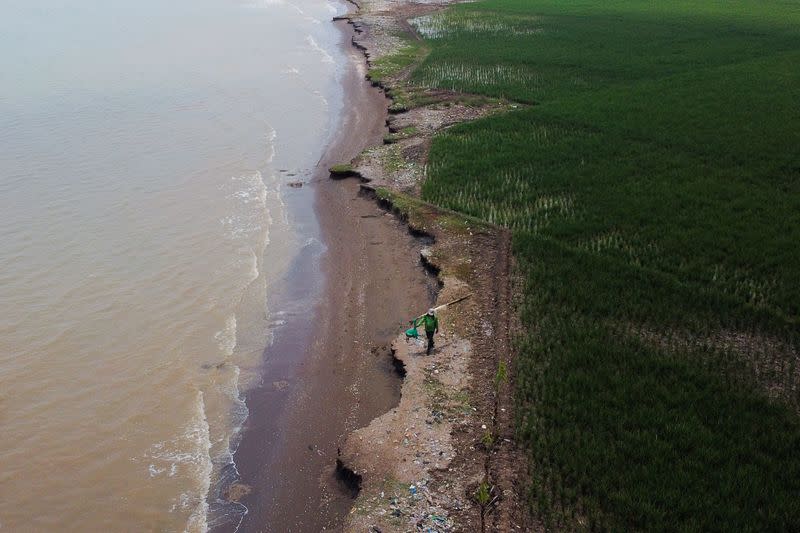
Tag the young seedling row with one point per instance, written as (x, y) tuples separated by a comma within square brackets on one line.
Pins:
[(652, 182)]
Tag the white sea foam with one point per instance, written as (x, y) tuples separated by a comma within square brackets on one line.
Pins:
[(271, 136), (264, 4), (226, 337), (187, 455), (254, 272), (250, 193), (250, 187), (238, 415), (326, 57), (222, 511), (198, 519)]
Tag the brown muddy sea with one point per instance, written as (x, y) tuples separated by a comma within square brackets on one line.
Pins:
[(145, 152)]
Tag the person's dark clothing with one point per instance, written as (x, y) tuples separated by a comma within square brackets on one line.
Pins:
[(429, 334)]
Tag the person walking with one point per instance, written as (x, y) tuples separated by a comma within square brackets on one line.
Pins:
[(431, 326)]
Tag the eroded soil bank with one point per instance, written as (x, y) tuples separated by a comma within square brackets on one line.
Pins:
[(328, 370), (445, 458)]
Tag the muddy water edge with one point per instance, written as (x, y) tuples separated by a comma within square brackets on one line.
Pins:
[(329, 370)]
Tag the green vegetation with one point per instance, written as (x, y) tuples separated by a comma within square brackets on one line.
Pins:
[(405, 133), (394, 64), (639, 409), (501, 376), (341, 169), (654, 194), (420, 214), (483, 497)]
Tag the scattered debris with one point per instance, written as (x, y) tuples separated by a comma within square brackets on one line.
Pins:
[(237, 491), (280, 386)]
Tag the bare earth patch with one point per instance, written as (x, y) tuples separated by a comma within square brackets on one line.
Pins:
[(419, 467)]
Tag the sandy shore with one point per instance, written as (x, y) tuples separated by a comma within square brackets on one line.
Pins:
[(415, 451), (329, 372)]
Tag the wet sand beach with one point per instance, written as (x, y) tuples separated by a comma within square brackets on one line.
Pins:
[(329, 370)]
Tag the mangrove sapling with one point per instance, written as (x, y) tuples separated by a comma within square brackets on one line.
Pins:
[(500, 376), (488, 441), (483, 497)]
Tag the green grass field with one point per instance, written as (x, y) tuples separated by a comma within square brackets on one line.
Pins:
[(653, 186)]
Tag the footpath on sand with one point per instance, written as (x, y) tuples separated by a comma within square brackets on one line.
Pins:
[(445, 458)]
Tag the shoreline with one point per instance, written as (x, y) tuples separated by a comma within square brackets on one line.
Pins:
[(327, 377), (446, 458), (360, 448)]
